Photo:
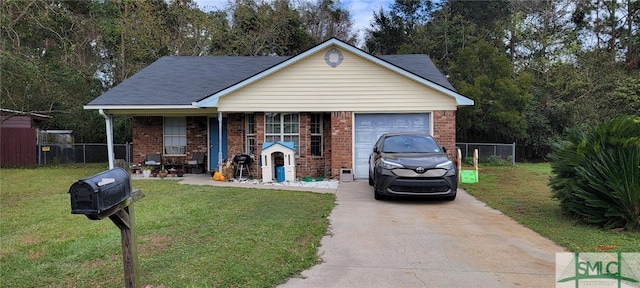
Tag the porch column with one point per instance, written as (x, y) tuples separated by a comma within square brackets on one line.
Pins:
[(219, 141), (109, 127)]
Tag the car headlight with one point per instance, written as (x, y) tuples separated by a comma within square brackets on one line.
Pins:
[(390, 165), (446, 165)]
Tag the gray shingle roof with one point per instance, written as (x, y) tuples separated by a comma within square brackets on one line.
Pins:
[(181, 80), (421, 65)]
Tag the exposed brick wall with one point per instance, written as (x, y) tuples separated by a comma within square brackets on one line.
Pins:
[(258, 120), (341, 142), (306, 165), (147, 138), (237, 142), (303, 160), (235, 135), (337, 140), (444, 130), (326, 146)]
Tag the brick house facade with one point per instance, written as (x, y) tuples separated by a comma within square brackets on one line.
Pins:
[(148, 134), (337, 140), (358, 95)]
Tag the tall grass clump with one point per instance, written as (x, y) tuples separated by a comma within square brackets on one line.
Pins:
[(596, 173)]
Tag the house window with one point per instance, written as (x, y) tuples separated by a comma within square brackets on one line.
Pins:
[(250, 143), (175, 135), (282, 127), (316, 134)]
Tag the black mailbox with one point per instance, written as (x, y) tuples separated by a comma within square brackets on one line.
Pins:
[(99, 193)]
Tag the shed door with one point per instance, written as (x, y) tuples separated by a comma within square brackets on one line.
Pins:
[(368, 127)]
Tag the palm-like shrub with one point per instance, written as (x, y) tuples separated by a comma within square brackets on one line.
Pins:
[(597, 173)]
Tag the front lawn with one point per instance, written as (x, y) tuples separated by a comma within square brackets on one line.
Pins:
[(521, 192), (188, 236), (205, 236)]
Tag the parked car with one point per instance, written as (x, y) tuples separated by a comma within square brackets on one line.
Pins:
[(411, 164)]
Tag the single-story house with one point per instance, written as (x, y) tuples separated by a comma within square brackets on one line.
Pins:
[(332, 101)]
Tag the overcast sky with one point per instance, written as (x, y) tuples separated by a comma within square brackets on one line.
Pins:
[(361, 10)]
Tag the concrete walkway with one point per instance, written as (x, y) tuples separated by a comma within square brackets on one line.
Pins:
[(407, 243), (204, 179)]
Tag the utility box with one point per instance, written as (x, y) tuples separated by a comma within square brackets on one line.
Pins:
[(99, 193), (346, 175)]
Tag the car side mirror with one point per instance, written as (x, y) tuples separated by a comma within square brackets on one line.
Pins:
[(375, 149), (444, 149)]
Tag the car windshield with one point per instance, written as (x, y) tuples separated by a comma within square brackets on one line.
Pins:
[(409, 144)]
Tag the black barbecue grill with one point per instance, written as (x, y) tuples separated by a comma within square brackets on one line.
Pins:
[(243, 162)]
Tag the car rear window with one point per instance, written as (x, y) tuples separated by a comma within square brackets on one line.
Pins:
[(409, 144)]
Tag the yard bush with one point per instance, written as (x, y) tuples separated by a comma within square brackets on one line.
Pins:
[(467, 161), (495, 160), (596, 173)]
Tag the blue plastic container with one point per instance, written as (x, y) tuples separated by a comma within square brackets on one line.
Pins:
[(280, 174)]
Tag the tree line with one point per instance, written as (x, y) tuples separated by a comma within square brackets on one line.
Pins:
[(533, 68)]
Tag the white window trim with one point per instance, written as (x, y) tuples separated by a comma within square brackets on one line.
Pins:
[(282, 134), (319, 134), (164, 146), (250, 135)]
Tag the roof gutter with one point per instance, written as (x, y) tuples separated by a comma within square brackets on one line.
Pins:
[(125, 107), (109, 126)]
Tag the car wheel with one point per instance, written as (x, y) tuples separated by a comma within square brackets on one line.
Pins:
[(377, 195)]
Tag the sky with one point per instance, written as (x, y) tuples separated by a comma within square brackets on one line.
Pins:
[(361, 10)]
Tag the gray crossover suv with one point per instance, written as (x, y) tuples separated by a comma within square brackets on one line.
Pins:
[(411, 164)]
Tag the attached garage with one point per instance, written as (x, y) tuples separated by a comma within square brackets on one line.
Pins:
[(368, 127)]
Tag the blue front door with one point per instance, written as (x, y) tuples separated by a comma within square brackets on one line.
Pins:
[(214, 142)]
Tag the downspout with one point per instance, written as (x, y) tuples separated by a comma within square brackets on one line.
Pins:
[(219, 141), (109, 126)]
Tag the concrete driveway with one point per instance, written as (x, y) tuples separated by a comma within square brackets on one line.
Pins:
[(406, 243)]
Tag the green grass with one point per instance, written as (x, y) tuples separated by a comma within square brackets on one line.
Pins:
[(187, 236), (204, 236), (521, 192)]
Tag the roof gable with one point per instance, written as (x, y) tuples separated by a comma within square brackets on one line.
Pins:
[(416, 67)]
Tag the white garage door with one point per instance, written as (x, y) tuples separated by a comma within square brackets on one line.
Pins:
[(368, 127)]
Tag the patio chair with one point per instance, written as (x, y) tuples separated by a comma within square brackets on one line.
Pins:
[(154, 161), (196, 164)]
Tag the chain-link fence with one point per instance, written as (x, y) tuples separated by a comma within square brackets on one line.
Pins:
[(97, 152), (488, 151), (81, 153)]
